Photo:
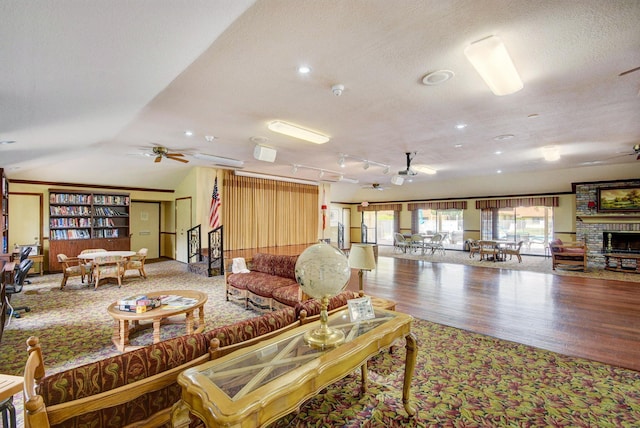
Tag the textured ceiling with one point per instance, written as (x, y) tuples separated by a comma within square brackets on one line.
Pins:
[(88, 87)]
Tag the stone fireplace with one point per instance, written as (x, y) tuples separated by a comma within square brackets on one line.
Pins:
[(594, 227), (620, 242)]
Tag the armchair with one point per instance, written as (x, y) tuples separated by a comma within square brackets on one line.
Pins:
[(108, 267), (572, 255), (71, 266), (136, 262)]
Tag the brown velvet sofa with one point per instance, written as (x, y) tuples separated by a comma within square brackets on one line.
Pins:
[(270, 284), (138, 388)]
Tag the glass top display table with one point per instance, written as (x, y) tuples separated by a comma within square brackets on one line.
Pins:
[(256, 385)]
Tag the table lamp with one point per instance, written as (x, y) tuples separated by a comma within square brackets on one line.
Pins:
[(361, 257)]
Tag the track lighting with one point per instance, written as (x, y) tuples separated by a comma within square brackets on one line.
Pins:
[(385, 171), (324, 174), (366, 163)]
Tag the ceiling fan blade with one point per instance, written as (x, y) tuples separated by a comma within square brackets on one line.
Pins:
[(169, 155), (158, 159), (179, 159)]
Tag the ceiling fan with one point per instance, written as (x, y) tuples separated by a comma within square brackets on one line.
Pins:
[(408, 171), (163, 152), (373, 186)]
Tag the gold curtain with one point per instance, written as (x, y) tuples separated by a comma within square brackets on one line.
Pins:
[(264, 213), (545, 201), (444, 205), (380, 207)]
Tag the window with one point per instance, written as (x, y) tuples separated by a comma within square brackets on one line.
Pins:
[(533, 225), (447, 221), (379, 227)]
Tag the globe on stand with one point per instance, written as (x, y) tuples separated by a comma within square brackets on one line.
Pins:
[(322, 271)]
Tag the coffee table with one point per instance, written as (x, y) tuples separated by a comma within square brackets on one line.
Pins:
[(256, 385), (129, 322)]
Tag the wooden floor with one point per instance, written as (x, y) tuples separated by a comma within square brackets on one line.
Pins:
[(581, 317)]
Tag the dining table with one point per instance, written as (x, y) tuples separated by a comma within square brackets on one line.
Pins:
[(89, 257)]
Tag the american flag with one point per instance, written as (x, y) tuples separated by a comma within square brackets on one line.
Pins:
[(214, 208)]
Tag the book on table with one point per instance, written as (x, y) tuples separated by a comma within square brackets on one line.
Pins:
[(139, 304)]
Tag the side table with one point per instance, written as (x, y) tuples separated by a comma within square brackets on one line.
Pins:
[(9, 385)]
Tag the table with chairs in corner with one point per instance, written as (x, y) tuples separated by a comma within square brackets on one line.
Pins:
[(96, 265)]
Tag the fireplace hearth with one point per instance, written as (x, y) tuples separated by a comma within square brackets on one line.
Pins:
[(620, 242)]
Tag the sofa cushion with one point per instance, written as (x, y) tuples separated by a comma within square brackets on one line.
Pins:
[(284, 266), (242, 280), (264, 285), (261, 262), (289, 295)]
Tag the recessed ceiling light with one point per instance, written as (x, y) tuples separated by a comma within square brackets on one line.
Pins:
[(304, 69), (188, 133), (503, 137), (6, 142), (458, 146), (210, 138), (461, 126), (498, 152), (437, 77), (499, 171)]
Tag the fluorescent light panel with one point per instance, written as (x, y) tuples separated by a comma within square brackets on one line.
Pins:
[(274, 177), (296, 131), (219, 160), (491, 60)]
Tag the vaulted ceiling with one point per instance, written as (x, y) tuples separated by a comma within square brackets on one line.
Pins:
[(89, 88)]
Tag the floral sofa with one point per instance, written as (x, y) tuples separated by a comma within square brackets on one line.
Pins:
[(139, 387), (269, 285)]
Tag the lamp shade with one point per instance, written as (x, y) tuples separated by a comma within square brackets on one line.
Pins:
[(361, 257)]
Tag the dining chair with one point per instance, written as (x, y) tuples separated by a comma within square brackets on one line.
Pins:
[(108, 267), (136, 262), (489, 249), (88, 264), (400, 243), (71, 266), (417, 243), (474, 247), (514, 250), (435, 244)]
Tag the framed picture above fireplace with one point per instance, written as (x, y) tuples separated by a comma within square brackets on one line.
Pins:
[(618, 199)]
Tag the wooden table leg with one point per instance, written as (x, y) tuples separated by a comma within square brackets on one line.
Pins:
[(409, 367), (156, 330), (121, 335), (364, 375), (189, 322)]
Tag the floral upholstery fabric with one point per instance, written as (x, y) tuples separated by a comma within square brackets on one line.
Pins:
[(290, 295), (312, 306), (129, 367), (251, 328), (113, 372), (265, 286)]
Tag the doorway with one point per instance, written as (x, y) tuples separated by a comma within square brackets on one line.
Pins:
[(183, 224), (145, 227)]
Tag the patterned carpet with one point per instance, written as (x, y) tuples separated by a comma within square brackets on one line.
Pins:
[(462, 379)]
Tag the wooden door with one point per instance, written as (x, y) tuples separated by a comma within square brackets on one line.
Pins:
[(145, 227)]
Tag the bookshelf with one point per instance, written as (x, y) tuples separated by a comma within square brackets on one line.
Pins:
[(4, 216), (80, 220)]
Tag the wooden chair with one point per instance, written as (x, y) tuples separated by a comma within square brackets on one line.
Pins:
[(88, 265), (136, 262), (514, 250), (572, 255), (108, 267), (489, 249), (71, 266), (474, 248)]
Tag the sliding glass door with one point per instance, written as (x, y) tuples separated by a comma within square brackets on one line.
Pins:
[(532, 225)]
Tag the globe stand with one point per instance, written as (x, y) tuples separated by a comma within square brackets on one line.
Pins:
[(324, 336)]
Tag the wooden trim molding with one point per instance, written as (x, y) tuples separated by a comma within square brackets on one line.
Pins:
[(611, 219)]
